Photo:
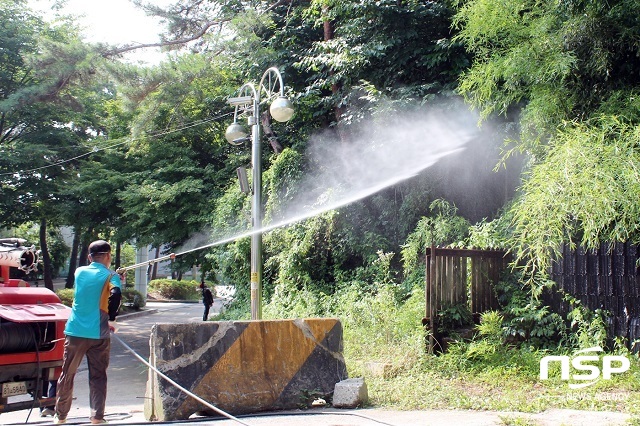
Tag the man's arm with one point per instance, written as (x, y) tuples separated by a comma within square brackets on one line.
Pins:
[(114, 303), (115, 297)]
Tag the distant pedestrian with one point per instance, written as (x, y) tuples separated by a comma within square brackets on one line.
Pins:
[(96, 301), (207, 299)]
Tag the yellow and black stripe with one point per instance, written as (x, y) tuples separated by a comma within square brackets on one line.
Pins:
[(246, 366)]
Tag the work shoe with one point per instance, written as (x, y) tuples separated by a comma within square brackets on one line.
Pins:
[(58, 421), (96, 421), (47, 412)]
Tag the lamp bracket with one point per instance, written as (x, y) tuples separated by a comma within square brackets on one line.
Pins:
[(240, 100)]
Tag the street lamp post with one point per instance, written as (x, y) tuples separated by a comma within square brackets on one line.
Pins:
[(281, 110)]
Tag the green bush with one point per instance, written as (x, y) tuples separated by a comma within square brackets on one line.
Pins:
[(526, 318), (66, 296), (176, 290), (130, 298), (133, 299), (452, 317), (490, 327)]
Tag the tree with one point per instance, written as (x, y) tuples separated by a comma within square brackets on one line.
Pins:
[(161, 165), (378, 57), (400, 51), (565, 69), (49, 108), (554, 61), (179, 164)]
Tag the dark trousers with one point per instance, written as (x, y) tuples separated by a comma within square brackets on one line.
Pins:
[(49, 390), (206, 312), (97, 352)]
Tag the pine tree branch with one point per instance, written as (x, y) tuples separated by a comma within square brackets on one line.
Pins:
[(129, 48)]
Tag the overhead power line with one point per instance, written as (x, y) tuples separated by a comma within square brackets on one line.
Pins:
[(127, 140)]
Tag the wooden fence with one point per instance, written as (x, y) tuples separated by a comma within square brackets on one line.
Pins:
[(606, 278), (458, 276)]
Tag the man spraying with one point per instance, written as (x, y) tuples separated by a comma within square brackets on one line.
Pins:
[(96, 303)]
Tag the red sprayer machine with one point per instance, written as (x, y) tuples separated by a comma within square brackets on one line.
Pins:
[(32, 322)]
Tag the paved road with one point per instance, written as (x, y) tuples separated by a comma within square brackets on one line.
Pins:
[(128, 377)]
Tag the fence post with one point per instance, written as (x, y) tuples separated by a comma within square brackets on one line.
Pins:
[(433, 297)]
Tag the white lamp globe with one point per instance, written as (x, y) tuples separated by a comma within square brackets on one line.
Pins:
[(234, 132), (281, 109)]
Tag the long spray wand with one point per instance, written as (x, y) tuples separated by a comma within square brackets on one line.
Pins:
[(172, 256), (124, 269), (372, 189)]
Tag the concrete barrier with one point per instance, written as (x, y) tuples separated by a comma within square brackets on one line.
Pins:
[(242, 366)]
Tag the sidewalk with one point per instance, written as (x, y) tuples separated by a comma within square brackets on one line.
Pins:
[(127, 376)]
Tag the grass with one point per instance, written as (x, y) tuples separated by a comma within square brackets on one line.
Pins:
[(483, 374), (506, 381), (384, 343), (430, 389), (517, 421)]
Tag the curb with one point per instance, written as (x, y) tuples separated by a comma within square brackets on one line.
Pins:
[(138, 314)]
